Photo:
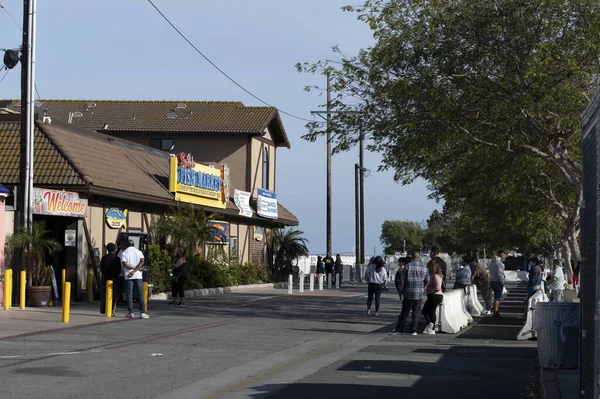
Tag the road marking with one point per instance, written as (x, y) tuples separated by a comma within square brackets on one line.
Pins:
[(263, 298)]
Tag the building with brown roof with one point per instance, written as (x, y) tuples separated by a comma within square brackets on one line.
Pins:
[(108, 170)]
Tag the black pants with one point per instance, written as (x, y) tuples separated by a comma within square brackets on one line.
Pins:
[(431, 305), (178, 288), (409, 305), (374, 289)]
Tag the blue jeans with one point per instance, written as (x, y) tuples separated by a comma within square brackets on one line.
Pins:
[(140, 293)]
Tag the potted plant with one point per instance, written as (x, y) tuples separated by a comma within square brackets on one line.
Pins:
[(35, 245)]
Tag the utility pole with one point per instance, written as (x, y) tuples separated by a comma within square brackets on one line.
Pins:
[(357, 213), (362, 197), (328, 165), (27, 114)]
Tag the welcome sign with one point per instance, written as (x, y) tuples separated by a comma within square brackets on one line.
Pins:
[(58, 203)]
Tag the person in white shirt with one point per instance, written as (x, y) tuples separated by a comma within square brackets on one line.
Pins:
[(557, 282), (133, 261)]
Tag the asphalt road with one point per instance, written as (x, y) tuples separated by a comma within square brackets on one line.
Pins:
[(268, 344)]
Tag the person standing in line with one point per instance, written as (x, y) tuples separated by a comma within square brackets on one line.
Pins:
[(110, 267), (415, 278), (121, 246), (435, 253), (328, 260), (481, 279), (339, 268), (133, 261), (434, 294), (557, 282), (179, 279), (398, 276), (320, 268), (496, 270), (463, 274), (534, 281), (376, 276)]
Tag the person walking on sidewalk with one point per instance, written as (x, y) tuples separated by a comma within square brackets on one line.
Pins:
[(376, 276), (338, 268), (557, 282), (535, 279), (481, 279), (415, 278), (434, 294), (133, 261), (496, 270), (435, 253), (179, 279)]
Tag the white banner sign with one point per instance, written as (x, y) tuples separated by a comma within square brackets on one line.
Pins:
[(267, 204), (242, 201)]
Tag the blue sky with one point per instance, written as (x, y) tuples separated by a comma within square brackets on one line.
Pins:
[(124, 50)]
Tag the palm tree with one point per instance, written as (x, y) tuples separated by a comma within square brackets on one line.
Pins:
[(287, 246), (35, 245)]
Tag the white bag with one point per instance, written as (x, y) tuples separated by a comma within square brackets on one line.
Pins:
[(504, 292)]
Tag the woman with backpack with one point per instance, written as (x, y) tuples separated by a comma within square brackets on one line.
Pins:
[(376, 276)]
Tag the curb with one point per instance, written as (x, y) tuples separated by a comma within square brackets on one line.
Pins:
[(220, 290), (549, 384)]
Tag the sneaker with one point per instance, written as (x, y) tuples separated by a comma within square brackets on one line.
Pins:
[(395, 332), (487, 312), (129, 316), (432, 332), (144, 316), (172, 302), (428, 329), (497, 315), (180, 304), (376, 313), (415, 333)]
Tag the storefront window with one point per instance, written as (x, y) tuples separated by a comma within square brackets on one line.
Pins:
[(265, 174)]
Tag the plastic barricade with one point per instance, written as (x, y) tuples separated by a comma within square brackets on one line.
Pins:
[(451, 318), (527, 332), (471, 303)]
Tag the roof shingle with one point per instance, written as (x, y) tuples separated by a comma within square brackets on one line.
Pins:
[(164, 116)]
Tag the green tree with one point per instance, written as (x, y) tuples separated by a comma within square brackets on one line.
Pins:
[(396, 235), (35, 245), (471, 82), (287, 246)]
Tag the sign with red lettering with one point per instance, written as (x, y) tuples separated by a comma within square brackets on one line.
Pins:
[(58, 203)]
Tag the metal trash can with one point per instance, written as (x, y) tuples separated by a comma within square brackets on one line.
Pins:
[(557, 328)]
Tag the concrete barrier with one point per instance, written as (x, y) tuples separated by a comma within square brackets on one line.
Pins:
[(464, 308), (301, 278), (321, 276), (451, 318), (470, 300), (516, 275), (527, 332), (311, 284), (290, 284), (329, 280)]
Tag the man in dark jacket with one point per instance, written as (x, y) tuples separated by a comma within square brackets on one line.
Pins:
[(329, 263), (110, 268)]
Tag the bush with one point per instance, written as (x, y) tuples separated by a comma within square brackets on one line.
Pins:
[(159, 269), (212, 273)]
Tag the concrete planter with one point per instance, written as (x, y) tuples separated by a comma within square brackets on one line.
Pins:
[(39, 296)]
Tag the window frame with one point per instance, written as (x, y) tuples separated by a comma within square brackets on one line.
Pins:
[(161, 143)]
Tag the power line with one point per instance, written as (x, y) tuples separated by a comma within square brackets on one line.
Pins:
[(21, 29), (220, 70), (6, 73), (11, 17)]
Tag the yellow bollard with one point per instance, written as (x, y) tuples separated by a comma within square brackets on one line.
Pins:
[(6, 290), (63, 276), (109, 299), (145, 297), (22, 284), (90, 286), (66, 303), (9, 275)]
